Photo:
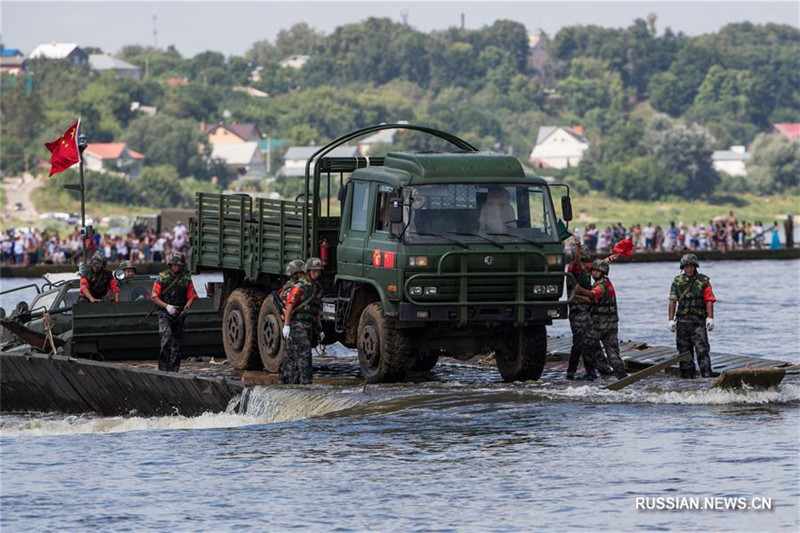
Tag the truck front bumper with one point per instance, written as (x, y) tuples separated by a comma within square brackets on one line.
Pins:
[(541, 312)]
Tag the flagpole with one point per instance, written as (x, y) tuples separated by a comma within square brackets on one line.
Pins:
[(81, 147)]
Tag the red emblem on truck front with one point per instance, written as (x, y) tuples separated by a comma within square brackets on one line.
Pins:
[(376, 258)]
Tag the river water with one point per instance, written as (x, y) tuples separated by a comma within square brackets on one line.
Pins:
[(463, 451)]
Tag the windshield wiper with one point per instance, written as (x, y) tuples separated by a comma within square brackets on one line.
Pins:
[(454, 241), (487, 239), (540, 245)]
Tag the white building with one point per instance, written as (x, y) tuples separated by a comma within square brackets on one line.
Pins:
[(245, 158), (108, 63), (69, 51), (558, 147), (732, 162), (294, 161), (296, 61)]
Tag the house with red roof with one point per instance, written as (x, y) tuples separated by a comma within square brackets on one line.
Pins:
[(234, 132), (788, 129), (113, 157)]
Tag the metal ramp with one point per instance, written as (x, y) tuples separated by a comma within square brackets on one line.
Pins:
[(640, 355)]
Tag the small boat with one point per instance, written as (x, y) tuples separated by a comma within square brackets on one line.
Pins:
[(56, 321)]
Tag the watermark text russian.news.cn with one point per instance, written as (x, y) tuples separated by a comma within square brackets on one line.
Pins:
[(707, 503)]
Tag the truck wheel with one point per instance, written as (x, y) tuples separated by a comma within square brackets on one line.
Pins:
[(239, 321), (270, 342), (383, 350), (523, 358)]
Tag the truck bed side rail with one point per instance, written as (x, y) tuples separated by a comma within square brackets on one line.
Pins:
[(242, 233)]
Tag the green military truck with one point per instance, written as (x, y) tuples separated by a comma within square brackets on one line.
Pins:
[(427, 254)]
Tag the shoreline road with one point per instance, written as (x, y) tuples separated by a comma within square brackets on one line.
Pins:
[(18, 191)]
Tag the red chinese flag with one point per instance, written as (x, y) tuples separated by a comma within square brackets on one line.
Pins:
[(64, 150), (624, 247)]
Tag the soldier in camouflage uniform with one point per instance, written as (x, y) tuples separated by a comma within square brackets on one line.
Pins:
[(605, 322), (97, 281), (173, 292), (692, 296), (303, 313), (580, 318)]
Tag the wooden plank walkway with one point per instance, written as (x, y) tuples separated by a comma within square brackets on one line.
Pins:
[(640, 355)]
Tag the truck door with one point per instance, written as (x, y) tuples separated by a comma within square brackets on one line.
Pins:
[(355, 226), (380, 251)]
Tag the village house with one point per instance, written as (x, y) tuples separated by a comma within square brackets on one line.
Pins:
[(67, 51), (107, 63), (294, 160), (113, 157), (558, 147), (732, 162), (234, 132), (12, 62), (296, 61), (790, 130), (245, 158)]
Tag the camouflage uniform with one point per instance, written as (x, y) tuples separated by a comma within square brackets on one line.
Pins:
[(296, 367), (175, 290), (691, 335), (580, 319), (98, 283), (604, 329)]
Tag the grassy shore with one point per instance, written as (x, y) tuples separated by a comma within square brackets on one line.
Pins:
[(604, 211), (591, 208)]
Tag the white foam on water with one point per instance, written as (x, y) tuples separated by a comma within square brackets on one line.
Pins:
[(264, 406), (36, 425), (785, 393)]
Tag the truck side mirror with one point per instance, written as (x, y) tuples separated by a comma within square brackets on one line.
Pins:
[(566, 208), (396, 210)]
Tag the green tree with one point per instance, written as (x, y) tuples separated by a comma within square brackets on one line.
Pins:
[(774, 166), (159, 186), (165, 140), (685, 153)]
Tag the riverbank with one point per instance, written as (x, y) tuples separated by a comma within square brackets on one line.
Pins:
[(36, 271)]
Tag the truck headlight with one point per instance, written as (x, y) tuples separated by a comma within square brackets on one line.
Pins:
[(417, 261), (554, 259), (538, 289), (415, 291), (552, 289), (431, 291)]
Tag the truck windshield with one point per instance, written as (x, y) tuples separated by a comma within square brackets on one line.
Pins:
[(476, 213)]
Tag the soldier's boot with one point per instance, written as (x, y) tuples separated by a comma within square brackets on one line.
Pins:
[(586, 377)]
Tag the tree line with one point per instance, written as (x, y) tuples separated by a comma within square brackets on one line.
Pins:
[(654, 105)]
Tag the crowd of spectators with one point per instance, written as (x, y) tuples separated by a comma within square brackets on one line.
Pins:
[(722, 234), (31, 246)]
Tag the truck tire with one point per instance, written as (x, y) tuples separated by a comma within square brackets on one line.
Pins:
[(383, 350), (239, 332), (270, 341), (523, 358)]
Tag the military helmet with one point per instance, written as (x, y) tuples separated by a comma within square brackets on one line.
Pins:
[(314, 263), (98, 259), (177, 259), (602, 266), (689, 259), (294, 266), (125, 265)]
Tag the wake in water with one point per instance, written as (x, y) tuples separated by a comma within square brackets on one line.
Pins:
[(271, 405)]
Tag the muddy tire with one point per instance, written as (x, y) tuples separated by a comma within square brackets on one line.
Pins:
[(523, 358), (383, 350), (239, 333), (270, 341)]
